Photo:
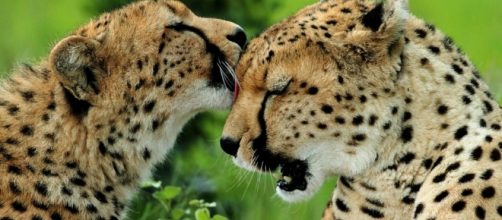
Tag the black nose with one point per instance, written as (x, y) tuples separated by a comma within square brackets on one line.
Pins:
[(229, 146), (238, 37)]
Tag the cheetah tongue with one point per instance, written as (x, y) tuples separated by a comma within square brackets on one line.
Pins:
[(236, 90)]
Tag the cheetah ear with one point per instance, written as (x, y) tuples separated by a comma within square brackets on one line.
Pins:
[(74, 61), (383, 28)]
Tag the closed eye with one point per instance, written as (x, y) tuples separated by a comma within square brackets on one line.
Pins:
[(280, 88)]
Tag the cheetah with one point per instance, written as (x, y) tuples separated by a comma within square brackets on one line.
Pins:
[(80, 130), (365, 91)]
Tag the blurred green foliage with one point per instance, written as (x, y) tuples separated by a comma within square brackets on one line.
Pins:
[(31, 27)]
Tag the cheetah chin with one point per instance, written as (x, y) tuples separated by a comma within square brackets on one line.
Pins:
[(296, 182)]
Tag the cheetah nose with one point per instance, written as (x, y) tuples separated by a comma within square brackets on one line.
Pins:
[(229, 146), (238, 37)]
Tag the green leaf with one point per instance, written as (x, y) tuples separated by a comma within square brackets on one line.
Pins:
[(177, 213), (168, 193), (202, 214), (219, 217)]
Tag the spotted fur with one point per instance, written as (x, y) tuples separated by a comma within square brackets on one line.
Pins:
[(366, 91), (82, 129)]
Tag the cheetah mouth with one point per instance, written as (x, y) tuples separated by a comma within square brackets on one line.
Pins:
[(293, 176)]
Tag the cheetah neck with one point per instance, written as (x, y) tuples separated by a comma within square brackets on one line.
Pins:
[(102, 154)]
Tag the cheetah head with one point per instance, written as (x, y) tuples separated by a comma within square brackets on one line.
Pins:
[(305, 84), (148, 66)]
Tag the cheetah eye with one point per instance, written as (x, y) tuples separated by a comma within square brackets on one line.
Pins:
[(279, 87)]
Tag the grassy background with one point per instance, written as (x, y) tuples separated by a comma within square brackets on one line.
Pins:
[(31, 27)]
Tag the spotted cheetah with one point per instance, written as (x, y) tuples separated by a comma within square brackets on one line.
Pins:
[(366, 91), (82, 129)]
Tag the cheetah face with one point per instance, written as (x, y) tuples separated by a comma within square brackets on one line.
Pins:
[(305, 84), (154, 60)]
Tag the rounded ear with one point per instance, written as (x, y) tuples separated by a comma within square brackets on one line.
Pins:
[(75, 64), (383, 29)]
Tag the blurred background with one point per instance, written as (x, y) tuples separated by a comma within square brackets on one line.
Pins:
[(31, 27)]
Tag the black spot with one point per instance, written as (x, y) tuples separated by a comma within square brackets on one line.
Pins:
[(331, 22), (421, 33), (72, 208), (442, 109), (499, 210), (439, 178), (139, 63), (387, 125), (41, 188), (406, 116), (56, 216), (466, 100), (161, 46), (372, 120), (470, 89), (373, 19), (496, 127), (458, 206), (340, 120), (434, 50), (488, 106), (14, 188), (322, 126), (449, 78), (407, 158), (148, 107), (28, 96), (427, 163), (407, 134), (418, 210), (18, 206), (102, 148), (359, 137), (313, 90), (495, 155), (467, 192), (134, 129), (13, 110), (480, 212), (477, 153), (487, 174), (341, 206), (14, 170), (270, 55), (65, 190), (169, 84), (327, 109), (78, 181), (461, 132), (155, 70), (358, 120), (146, 154), (424, 61), (457, 69), (100, 197), (488, 192), (453, 166), (40, 205), (441, 196), (363, 98), (340, 80), (91, 208), (466, 178), (372, 212)]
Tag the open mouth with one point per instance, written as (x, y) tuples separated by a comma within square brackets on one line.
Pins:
[(293, 176)]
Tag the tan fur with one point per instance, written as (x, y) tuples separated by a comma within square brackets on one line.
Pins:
[(80, 131), (397, 111)]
